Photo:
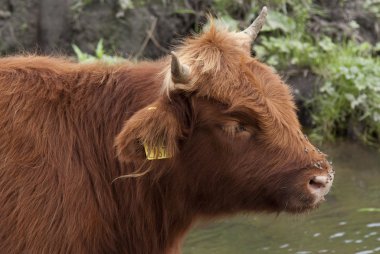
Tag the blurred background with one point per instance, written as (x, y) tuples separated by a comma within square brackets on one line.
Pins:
[(327, 51)]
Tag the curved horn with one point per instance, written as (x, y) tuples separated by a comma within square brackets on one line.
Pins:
[(254, 29), (180, 72)]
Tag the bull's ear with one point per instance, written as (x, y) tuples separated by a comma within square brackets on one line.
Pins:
[(151, 133)]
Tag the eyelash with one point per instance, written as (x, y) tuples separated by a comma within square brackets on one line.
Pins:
[(236, 130), (240, 128)]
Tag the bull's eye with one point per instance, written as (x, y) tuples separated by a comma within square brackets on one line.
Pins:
[(240, 128), (236, 129)]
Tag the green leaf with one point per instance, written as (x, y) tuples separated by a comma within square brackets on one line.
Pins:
[(229, 22), (353, 24), (99, 52), (377, 47), (126, 4), (277, 20), (326, 44), (376, 117), (327, 88), (80, 55)]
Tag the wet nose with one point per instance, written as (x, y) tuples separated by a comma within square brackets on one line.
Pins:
[(321, 184), (318, 182)]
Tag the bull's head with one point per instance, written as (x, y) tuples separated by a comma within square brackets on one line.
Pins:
[(225, 128)]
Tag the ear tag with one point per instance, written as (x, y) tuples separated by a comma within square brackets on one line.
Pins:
[(156, 153)]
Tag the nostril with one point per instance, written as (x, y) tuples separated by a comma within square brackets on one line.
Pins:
[(318, 182)]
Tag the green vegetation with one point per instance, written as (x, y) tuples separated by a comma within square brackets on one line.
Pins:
[(99, 55), (349, 97), (372, 6)]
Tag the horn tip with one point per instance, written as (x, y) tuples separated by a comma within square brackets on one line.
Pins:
[(264, 11)]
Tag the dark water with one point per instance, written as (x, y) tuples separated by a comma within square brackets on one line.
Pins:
[(338, 226)]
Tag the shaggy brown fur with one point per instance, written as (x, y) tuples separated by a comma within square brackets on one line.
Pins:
[(232, 132)]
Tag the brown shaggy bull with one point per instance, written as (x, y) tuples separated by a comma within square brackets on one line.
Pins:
[(125, 158)]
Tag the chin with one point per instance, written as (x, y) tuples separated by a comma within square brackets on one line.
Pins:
[(301, 209), (304, 205)]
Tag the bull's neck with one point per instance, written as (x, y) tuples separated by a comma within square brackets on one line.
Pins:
[(152, 214)]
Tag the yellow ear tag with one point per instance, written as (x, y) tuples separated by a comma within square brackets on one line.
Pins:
[(156, 153)]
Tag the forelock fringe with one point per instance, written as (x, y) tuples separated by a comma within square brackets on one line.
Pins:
[(205, 54)]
